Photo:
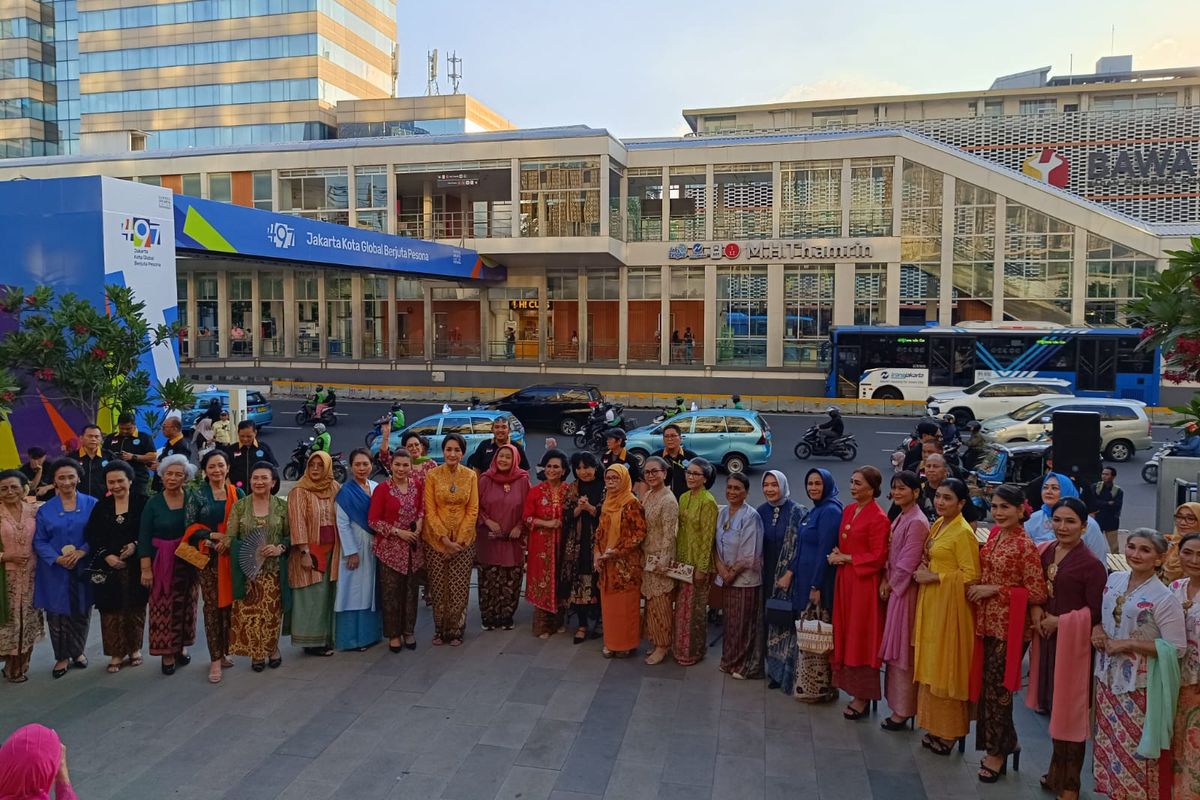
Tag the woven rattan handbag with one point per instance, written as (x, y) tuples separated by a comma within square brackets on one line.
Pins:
[(814, 632)]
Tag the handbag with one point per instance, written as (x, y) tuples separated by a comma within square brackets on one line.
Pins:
[(191, 554), (326, 534), (814, 631), (780, 613), (664, 565)]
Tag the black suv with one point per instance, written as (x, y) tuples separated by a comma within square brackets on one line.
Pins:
[(559, 406)]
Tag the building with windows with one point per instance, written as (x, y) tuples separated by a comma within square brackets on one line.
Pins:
[(131, 74), (706, 260)]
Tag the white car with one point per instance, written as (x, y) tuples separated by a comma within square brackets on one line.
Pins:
[(1124, 425), (993, 397)]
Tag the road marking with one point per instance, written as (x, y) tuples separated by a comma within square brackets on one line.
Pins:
[(893, 433)]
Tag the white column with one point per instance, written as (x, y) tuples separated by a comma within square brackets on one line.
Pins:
[(322, 317), (1078, 276), (255, 332), (514, 188), (605, 193), (946, 268), (357, 310), (998, 261), (664, 324), (485, 324), (845, 197), (776, 308), (623, 315), (897, 194), (223, 320), (543, 319), (843, 294), (352, 196), (584, 335), (427, 210), (291, 320), (393, 201), (274, 189), (191, 314), (427, 300), (391, 313), (711, 321)]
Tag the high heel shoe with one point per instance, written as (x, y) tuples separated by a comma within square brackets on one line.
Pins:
[(852, 715), (890, 724), (989, 775)]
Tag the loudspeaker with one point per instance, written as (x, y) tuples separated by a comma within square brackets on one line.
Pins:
[(1077, 445)]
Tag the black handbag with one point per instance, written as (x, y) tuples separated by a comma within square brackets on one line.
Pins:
[(780, 613)]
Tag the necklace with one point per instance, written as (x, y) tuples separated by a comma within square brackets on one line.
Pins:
[(1190, 595), (1120, 603), (1052, 568)]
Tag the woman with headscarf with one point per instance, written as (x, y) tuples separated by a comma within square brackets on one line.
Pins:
[(906, 546), (858, 614), (451, 511), (261, 592), (314, 555), (1187, 521), (577, 583), (1010, 584), (1055, 487), (662, 527), (207, 516), (397, 514), (499, 549), (738, 561), (61, 587), (810, 576), (112, 534), (782, 518), (618, 557), (694, 544), (543, 515), (170, 579), (32, 762), (357, 623), (944, 628), (21, 625)]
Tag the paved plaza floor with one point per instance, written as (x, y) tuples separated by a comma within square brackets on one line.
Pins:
[(504, 716)]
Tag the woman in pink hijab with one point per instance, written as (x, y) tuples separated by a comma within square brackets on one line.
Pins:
[(32, 762)]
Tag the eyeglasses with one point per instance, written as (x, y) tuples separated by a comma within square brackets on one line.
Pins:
[(653, 471), (1185, 518), (695, 474)]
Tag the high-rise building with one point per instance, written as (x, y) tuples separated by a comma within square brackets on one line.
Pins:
[(98, 75)]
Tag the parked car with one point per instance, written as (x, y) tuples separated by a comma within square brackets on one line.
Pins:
[(562, 407), (258, 408), (475, 426), (734, 438), (995, 396), (1124, 425)]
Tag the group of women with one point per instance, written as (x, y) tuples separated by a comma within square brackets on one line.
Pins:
[(923, 616), (948, 623)]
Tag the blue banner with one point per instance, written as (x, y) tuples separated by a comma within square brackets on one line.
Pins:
[(213, 227)]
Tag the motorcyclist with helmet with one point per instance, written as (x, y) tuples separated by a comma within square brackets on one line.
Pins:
[(831, 429), (396, 419), (949, 428), (323, 440)]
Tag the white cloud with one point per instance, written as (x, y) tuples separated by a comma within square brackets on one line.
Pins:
[(843, 86), (1168, 52)]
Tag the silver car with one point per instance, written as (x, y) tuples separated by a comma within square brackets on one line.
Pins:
[(1124, 426)]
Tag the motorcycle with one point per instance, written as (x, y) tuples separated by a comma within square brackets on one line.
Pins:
[(1150, 469), (592, 435), (666, 414), (299, 459), (308, 413), (843, 447)]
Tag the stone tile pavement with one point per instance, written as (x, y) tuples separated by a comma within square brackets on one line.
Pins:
[(506, 717)]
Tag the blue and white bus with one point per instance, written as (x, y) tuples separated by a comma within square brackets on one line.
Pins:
[(910, 363)]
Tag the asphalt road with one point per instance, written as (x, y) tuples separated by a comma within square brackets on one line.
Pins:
[(877, 438)]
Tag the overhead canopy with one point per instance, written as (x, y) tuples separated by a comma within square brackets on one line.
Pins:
[(206, 226)]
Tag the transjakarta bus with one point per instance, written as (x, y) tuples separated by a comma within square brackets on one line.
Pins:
[(910, 363)]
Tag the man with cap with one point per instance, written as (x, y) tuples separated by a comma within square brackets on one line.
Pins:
[(247, 452), (617, 454), (135, 449)]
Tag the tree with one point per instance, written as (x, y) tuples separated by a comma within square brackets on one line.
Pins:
[(1170, 308), (82, 356)]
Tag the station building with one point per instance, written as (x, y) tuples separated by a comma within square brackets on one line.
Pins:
[(673, 264)]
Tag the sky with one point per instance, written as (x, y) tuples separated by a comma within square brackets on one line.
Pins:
[(632, 67)]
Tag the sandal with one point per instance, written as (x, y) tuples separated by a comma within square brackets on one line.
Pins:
[(58, 673), (580, 635), (854, 715), (214, 672), (226, 662), (80, 663), (258, 666), (274, 661), (323, 652), (938, 746), (607, 653), (890, 724), (114, 668), (135, 661), (183, 659), (456, 642), (437, 641), (17, 679), (988, 774)]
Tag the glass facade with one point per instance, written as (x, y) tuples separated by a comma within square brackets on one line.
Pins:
[(315, 193), (241, 315), (371, 197), (744, 194), (1037, 266), (870, 294), (456, 322), (560, 198), (216, 94), (644, 308), (687, 315), (339, 316), (811, 199), (871, 196), (308, 304), (375, 319), (920, 250), (742, 315), (1116, 275), (185, 55), (974, 270), (270, 314), (366, 130), (410, 319), (808, 312), (603, 314), (689, 203), (562, 290), (265, 133), (208, 315), (643, 206)]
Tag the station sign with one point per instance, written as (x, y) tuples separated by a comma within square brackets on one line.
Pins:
[(772, 250)]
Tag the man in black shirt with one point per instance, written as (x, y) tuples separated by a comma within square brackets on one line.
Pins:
[(617, 454), (93, 458), (481, 459), (129, 445), (247, 452), (37, 471), (176, 445), (927, 431), (677, 457)]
